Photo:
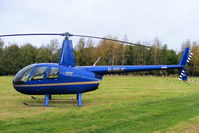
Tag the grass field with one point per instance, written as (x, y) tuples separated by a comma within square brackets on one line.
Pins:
[(120, 105)]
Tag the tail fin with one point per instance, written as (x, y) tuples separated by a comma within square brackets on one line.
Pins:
[(186, 57)]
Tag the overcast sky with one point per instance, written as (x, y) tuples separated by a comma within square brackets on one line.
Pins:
[(172, 21)]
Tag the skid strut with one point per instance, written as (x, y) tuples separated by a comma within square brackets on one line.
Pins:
[(79, 99), (46, 101)]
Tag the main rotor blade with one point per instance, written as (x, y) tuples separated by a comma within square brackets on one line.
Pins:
[(103, 38), (35, 34), (67, 34)]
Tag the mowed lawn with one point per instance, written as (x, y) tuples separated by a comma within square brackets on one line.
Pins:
[(122, 104)]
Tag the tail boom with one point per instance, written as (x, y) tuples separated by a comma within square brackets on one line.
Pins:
[(102, 70), (120, 69)]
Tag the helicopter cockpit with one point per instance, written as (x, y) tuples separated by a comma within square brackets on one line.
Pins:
[(28, 74), (22, 76)]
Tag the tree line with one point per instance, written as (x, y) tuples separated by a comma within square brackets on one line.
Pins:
[(14, 57)]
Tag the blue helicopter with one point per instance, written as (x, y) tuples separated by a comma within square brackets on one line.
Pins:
[(65, 78)]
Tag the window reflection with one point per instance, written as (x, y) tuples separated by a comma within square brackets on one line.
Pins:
[(38, 73), (22, 75), (53, 73)]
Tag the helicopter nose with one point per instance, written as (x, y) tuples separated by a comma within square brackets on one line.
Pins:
[(19, 89), (24, 90)]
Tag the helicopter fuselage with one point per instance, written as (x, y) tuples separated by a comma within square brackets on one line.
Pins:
[(50, 78)]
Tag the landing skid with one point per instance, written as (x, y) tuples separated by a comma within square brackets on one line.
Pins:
[(49, 98), (32, 105), (35, 98)]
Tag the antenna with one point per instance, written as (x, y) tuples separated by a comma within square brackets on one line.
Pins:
[(97, 61)]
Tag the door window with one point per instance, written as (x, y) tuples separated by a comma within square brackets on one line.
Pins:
[(53, 73), (38, 73)]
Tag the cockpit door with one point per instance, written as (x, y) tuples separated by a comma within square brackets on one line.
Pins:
[(38, 74)]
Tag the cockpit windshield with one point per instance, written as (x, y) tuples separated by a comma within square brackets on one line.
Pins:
[(23, 74)]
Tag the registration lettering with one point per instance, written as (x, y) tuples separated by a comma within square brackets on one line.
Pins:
[(116, 69), (69, 73)]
